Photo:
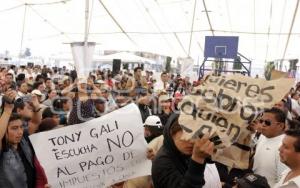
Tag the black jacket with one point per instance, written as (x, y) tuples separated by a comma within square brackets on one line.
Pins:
[(172, 169), (145, 111)]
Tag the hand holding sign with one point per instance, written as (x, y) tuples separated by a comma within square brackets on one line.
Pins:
[(97, 153), (202, 149), (150, 154), (224, 105)]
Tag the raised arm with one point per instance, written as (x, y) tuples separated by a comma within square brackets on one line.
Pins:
[(95, 89), (166, 174), (36, 117), (68, 89), (8, 108)]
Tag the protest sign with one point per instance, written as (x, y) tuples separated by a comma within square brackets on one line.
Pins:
[(83, 57), (275, 74), (224, 106), (97, 153), (187, 65)]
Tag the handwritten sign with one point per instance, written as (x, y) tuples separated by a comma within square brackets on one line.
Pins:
[(97, 153), (224, 106), (275, 74)]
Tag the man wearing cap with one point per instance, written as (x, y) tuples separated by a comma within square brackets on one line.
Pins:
[(39, 90), (165, 104), (99, 106), (153, 128), (66, 81), (39, 94), (99, 83), (290, 155)]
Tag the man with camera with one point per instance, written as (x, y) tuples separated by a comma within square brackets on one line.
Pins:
[(19, 119)]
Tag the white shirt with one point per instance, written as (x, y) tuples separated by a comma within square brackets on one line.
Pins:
[(13, 73), (292, 183), (211, 177), (20, 94), (267, 160), (110, 105), (24, 71), (159, 86), (295, 106)]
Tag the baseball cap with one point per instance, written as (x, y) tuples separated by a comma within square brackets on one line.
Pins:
[(164, 98), (153, 121), (253, 181), (82, 80), (37, 92), (105, 88), (99, 101), (65, 78), (99, 82)]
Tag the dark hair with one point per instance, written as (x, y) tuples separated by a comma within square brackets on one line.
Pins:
[(37, 84), (137, 68), (59, 103), (163, 73), (9, 74), (47, 79), (293, 94), (5, 144), (38, 77), (47, 124), (73, 75), (18, 104), (93, 77), (279, 114), (175, 127), (50, 90), (19, 84), (296, 134), (48, 113), (14, 117), (20, 77), (293, 124)]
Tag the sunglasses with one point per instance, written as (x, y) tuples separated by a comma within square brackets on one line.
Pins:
[(266, 122)]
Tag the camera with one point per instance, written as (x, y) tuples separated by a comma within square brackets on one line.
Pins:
[(24, 99), (8, 100), (27, 98), (140, 91)]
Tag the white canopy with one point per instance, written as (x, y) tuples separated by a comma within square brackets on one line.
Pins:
[(125, 57), (267, 29)]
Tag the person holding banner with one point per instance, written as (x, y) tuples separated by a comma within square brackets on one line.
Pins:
[(182, 163)]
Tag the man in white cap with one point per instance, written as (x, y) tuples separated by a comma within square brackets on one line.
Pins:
[(153, 128)]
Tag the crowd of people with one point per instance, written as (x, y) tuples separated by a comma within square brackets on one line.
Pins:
[(37, 99)]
